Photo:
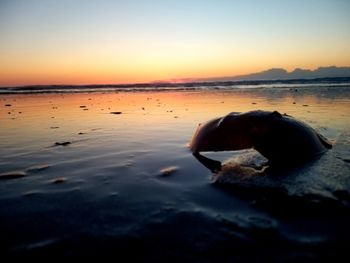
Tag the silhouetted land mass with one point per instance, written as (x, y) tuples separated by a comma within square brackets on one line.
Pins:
[(282, 74)]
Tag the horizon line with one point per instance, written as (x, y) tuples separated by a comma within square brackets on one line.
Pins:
[(174, 81), (144, 84)]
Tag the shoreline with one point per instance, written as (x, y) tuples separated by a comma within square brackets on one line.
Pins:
[(325, 80)]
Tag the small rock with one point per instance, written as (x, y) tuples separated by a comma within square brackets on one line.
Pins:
[(58, 180), (115, 112), (62, 143), (12, 175), (168, 170)]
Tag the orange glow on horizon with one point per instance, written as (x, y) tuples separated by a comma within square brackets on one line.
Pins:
[(85, 76), (139, 64)]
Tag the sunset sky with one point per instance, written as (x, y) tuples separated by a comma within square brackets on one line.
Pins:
[(88, 42)]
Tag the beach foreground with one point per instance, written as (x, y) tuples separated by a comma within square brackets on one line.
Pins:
[(110, 174)]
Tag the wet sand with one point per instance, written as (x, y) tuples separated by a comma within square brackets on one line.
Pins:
[(110, 174)]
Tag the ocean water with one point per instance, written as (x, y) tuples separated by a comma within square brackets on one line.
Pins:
[(109, 173)]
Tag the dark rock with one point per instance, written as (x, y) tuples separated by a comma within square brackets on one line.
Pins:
[(62, 143), (12, 175)]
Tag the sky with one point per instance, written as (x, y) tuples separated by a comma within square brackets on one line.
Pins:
[(133, 41)]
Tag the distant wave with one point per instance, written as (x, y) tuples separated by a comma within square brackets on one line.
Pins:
[(229, 85)]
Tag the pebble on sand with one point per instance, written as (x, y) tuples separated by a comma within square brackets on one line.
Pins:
[(62, 143), (12, 175), (58, 180), (168, 170)]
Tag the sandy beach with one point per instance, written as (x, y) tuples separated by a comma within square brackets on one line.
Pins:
[(110, 174)]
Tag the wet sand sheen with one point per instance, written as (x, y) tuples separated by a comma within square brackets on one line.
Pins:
[(108, 172)]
